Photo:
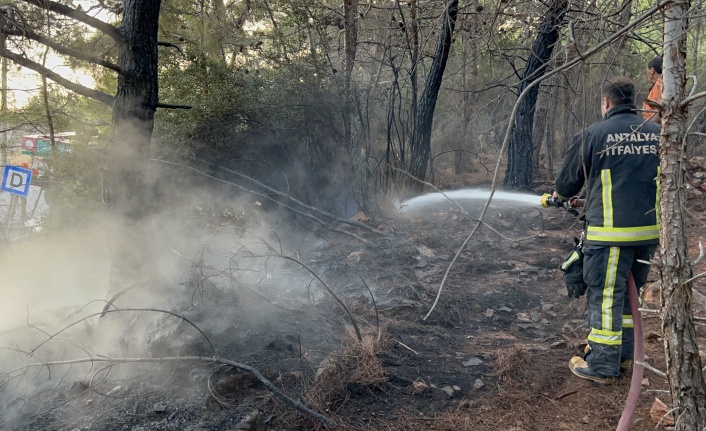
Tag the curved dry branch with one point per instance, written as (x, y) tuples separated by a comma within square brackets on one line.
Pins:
[(61, 49), (328, 288), (215, 359), (80, 16), (77, 88), (170, 106), (117, 310), (168, 45), (298, 202), (264, 196)]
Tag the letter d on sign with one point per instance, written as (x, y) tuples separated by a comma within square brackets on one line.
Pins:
[(16, 180)]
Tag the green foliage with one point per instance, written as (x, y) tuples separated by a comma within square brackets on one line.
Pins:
[(73, 189)]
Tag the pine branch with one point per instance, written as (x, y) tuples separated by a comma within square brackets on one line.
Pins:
[(80, 16), (81, 55), (76, 88)]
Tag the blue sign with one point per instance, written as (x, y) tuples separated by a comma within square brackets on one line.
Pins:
[(16, 180)]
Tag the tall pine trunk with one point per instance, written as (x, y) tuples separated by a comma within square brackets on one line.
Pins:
[(127, 187), (421, 140), (520, 148), (681, 350)]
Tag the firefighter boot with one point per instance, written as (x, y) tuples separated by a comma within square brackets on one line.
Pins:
[(580, 368), (625, 364)]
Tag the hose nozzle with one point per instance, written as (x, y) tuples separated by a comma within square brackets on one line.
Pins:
[(548, 200)]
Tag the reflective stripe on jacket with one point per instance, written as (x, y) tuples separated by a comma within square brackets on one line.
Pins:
[(620, 158)]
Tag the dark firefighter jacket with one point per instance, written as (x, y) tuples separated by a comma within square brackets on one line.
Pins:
[(621, 162)]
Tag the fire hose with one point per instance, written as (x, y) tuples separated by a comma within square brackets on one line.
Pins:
[(626, 417)]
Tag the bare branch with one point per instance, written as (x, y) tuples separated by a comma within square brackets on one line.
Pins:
[(83, 17), (81, 55), (77, 88), (326, 286), (215, 359), (298, 202), (168, 44), (117, 310), (651, 368), (265, 196), (168, 106)]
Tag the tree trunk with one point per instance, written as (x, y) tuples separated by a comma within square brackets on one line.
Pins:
[(538, 136), (126, 186), (350, 12), (519, 157), (421, 140), (681, 350), (469, 77)]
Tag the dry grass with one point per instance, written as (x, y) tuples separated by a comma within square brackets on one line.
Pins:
[(355, 366), (512, 364)]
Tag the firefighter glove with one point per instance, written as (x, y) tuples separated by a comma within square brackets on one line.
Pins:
[(573, 273)]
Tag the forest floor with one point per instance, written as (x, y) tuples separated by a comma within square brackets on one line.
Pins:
[(491, 356)]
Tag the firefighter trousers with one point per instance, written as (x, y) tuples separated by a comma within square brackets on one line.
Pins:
[(605, 271)]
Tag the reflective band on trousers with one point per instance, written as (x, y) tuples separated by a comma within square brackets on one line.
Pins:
[(612, 338), (609, 288), (627, 321), (622, 234)]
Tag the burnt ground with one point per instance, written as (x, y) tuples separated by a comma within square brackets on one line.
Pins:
[(492, 356)]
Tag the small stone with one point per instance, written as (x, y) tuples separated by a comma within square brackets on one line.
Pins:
[(472, 362), (645, 382), (159, 408), (419, 386), (524, 318), (421, 264), (547, 307), (478, 384), (534, 316), (456, 388), (558, 345), (505, 309), (448, 391), (489, 313), (444, 257)]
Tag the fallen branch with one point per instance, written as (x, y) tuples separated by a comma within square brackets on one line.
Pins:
[(264, 196), (214, 359), (328, 288), (651, 368), (102, 313), (276, 253), (230, 275)]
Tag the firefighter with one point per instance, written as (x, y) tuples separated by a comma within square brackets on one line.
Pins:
[(654, 75), (617, 159)]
